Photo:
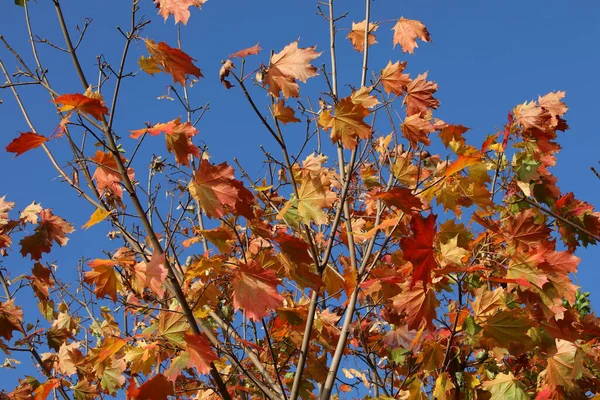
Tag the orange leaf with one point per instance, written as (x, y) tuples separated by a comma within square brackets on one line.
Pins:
[(78, 102), (255, 290), (406, 31), (178, 8), (419, 250), (51, 228), (363, 97), (10, 319), (170, 60), (110, 346), (215, 188), (347, 124), (357, 35), (105, 277), (418, 304), (201, 354), (392, 78), (25, 142), (287, 66), (154, 272), (250, 51), (283, 113), (417, 129), (419, 95), (107, 174), (462, 162), (42, 391)]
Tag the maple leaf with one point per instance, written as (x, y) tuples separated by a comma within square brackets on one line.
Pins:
[(419, 95), (533, 118), (283, 113), (419, 249), (451, 253), (105, 277), (158, 387), (314, 197), (25, 142), (97, 216), (201, 354), (224, 73), (565, 367), (417, 130), (255, 290), (29, 215), (178, 8), (78, 102), (418, 303), (406, 31), (357, 34), (443, 384), (250, 51), (178, 137), (5, 207), (364, 98), (505, 387), (170, 60), (393, 80), (111, 376), (287, 66), (69, 357), (51, 228), (107, 174), (402, 198), (42, 391), (463, 161), (215, 188), (347, 124), (522, 229), (10, 319), (453, 133), (508, 328), (153, 273)]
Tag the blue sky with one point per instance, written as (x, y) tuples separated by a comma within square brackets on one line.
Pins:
[(486, 56)]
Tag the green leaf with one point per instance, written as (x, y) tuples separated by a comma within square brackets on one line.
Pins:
[(20, 3), (470, 326), (505, 387)]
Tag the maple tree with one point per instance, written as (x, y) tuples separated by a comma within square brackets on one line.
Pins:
[(357, 266)]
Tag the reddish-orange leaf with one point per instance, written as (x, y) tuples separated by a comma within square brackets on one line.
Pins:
[(250, 51), (417, 130), (156, 388), (357, 35), (105, 277), (51, 228), (42, 391), (453, 133), (287, 66), (10, 319), (406, 31), (215, 188), (170, 60), (393, 80), (295, 248), (283, 113), (419, 95), (522, 229), (107, 174), (87, 105), (156, 273), (418, 303), (347, 125), (255, 290), (201, 354), (419, 249), (25, 142), (178, 8), (402, 198)]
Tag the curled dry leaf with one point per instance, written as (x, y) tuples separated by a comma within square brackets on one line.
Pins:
[(170, 60), (250, 51), (224, 73), (283, 113)]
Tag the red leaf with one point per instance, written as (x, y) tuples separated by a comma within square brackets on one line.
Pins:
[(81, 103), (419, 248), (25, 142), (10, 319), (402, 198), (155, 388), (201, 354), (255, 290)]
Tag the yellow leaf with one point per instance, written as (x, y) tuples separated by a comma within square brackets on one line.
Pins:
[(97, 216)]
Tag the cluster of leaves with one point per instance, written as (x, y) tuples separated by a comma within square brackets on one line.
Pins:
[(316, 277)]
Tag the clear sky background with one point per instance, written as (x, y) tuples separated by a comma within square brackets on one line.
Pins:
[(486, 56)]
